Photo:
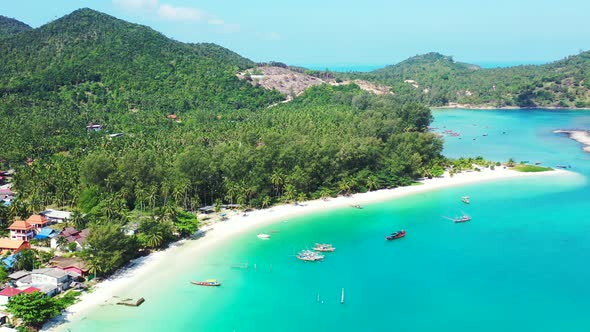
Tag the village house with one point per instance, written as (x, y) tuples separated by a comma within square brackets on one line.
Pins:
[(71, 265), (56, 216), (50, 281), (71, 235), (13, 246), (7, 293), (38, 222), (21, 230)]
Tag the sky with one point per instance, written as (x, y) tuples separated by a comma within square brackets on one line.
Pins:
[(340, 33)]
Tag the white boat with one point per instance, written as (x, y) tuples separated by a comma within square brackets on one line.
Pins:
[(263, 236)]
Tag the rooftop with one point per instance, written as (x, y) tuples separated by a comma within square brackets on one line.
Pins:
[(6, 243), (65, 262), (56, 214), (9, 291), (37, 220), (19, 274), (50, 271), (20, 225), (31, 290)]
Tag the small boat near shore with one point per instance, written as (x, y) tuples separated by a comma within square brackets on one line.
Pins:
[(463, 218), (465, 199), (356, 206), (323, 247), (209, 283), (310, 256), (263, 236), (396, 235)]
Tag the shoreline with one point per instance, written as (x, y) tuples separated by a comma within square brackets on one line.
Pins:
[(490, 108), (580, 136), (218, 233)]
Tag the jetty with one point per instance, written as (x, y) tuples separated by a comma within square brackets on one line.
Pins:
[(131, 302)]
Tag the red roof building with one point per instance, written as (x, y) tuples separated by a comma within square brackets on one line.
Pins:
[(10, 292), (31, 290)]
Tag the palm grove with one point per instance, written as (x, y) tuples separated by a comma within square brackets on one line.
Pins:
[(227, 146)]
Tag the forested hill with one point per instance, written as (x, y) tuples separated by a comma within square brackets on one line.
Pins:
[(438, 80), (10, 26), (131, 66), (180, 129), (89, 67)]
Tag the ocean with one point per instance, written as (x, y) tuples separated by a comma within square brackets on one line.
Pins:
[(519, 265)]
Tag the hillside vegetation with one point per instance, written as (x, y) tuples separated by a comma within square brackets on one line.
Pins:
[(189, 132), (10, 26), (438, 80)]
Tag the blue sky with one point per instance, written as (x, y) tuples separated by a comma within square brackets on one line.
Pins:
[(344, 32)]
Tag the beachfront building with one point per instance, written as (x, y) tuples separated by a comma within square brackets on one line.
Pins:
[(13, 246), (21, 230), (71, 265), (50, 281), (56, 216)]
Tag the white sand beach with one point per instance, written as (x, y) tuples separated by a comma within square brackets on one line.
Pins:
[(237, 224), (581, 136)]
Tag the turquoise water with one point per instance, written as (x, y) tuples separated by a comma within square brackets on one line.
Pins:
[(520, 265)]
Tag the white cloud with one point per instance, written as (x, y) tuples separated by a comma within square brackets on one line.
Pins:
[(137, 4), (174, 13), (181, 13)]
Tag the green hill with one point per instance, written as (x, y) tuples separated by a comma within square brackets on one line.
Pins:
[(438, 80), (224, 142), (10, 26)]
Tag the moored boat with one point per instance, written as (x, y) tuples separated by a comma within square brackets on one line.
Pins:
[(310, 256), (465, 199), (356, 206), (263, 236), (396, 235), (210, 282), (323, 247)]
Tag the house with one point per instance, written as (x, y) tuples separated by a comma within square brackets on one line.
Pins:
[(7, 293), (46, 233), (13, 246), (116, 135), (21, 230), (56, 216), (38, 222), (172, 116), (71, 235), (70, 265), (20, 278), (50, 280)]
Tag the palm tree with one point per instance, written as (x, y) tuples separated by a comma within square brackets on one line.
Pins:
[(277, 181), (290, 192), (301, 197), (77, 219), (265, 202), (372, 182), (325, 193), (154, 239)]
